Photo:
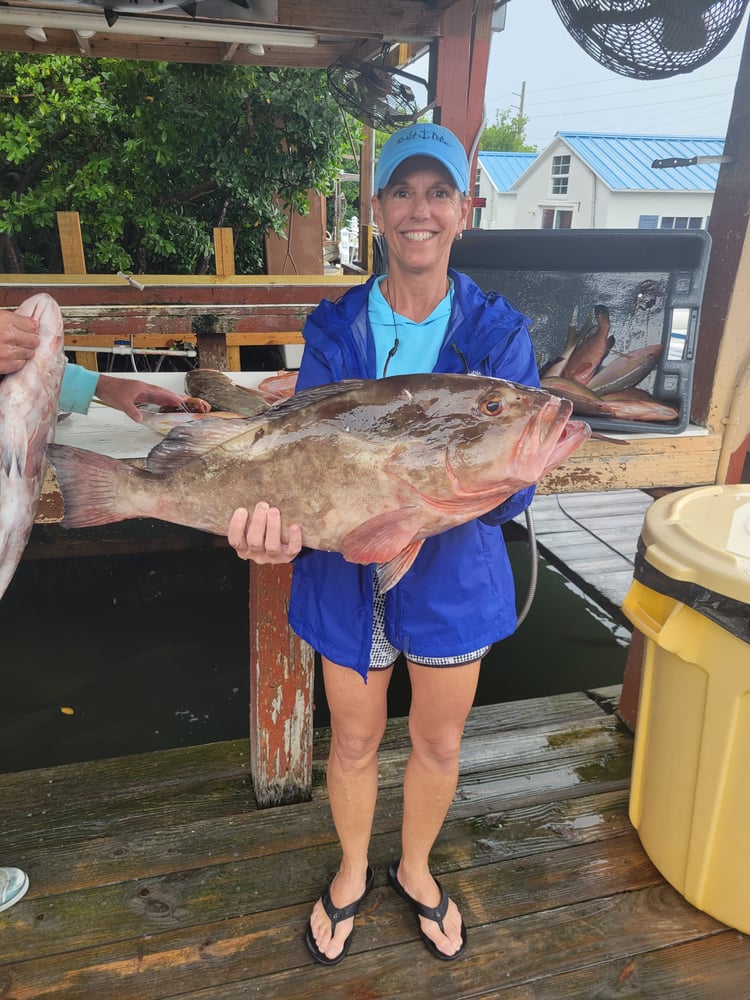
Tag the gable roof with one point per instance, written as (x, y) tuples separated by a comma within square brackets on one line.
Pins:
[(623, 162), (503, 169)]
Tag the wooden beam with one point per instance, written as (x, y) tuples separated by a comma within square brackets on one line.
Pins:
[(408, 20), (71, 242), (224, 251)]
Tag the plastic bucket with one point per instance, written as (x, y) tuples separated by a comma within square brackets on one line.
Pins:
[(690, 797)]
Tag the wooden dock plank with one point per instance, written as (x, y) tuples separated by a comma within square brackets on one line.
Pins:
[(132, 898), (593, 536)]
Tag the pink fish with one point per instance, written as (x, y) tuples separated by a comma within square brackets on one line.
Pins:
[(594, 343), (279, 386), (585, 401), (28, 414), (626, 370), (637, 404)]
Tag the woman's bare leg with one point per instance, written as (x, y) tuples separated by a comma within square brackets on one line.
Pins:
[(441, 700), (359, 713)]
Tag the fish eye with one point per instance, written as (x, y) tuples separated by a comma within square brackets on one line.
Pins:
[(493, 406)]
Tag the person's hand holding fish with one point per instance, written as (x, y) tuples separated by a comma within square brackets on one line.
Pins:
[(19, 340), (259, 537), (126, 395)]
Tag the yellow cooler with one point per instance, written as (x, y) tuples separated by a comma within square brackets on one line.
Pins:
[(690, 792)]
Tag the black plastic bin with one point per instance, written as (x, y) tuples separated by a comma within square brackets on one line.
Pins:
[(651, 281)]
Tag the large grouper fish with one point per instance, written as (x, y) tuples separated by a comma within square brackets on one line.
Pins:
[(367, 468), (28, 415)]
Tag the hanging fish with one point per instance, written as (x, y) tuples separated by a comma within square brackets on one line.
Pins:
[(593, 346), (585, 402), (626, 370)]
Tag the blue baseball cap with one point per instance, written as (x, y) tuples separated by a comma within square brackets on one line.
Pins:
[(423, 139)]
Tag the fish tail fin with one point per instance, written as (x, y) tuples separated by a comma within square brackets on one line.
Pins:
[(91, 486)]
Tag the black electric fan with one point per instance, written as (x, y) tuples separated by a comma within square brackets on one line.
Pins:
[(378, 95), (651, 39)]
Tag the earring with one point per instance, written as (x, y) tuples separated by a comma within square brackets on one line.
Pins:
[(459, 234)]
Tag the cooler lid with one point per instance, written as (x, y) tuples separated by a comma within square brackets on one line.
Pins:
[(702, 535)]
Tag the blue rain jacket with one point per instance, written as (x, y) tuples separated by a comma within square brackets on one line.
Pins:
[(459, 594)]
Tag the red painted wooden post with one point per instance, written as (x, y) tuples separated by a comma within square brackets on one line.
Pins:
[(281, 694), (460, 58)]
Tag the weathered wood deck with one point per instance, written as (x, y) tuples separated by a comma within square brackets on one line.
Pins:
[(592, 537), (155, 876)]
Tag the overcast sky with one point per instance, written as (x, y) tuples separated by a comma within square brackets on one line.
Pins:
[(567, 90)]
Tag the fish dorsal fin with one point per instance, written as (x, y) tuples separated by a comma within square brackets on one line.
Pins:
[(391, 572), (316, 394), (183, 444)]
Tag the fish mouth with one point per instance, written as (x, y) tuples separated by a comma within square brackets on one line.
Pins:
[(574, 434), (551, 435)]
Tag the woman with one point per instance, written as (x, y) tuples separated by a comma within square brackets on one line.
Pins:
[(457, 598)]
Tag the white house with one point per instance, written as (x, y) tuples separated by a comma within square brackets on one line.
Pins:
[(586, 180), (495, 199)]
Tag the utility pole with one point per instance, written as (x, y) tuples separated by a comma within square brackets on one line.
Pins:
[(522, 96)]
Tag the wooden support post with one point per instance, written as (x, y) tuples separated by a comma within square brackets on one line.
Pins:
[(459, 72), (459, 68), (722, 350), (211, 341), (224, 251), (365, 199), (71, 242), (281, 694), (627, 709)]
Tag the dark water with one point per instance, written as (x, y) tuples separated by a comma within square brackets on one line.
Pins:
[(151, 651)]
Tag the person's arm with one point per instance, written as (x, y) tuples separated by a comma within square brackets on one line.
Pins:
[(126, 394), (79, 386)]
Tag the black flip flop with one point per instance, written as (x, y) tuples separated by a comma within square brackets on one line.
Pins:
[(436, 913), (336, 916)]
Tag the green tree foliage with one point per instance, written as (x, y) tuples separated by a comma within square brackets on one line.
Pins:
[(507, 134), (155, 155)]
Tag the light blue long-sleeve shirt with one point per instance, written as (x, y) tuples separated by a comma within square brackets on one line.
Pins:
[(78, 389)]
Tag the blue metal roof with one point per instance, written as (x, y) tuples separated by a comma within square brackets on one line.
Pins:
[(504, 169), (623, 162)]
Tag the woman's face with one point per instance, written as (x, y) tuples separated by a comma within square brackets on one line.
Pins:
[(420, 213)]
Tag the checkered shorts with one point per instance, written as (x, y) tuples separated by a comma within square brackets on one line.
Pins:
[(383, 653)]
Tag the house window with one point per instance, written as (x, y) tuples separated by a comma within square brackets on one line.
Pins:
[(477, 178), (681, 222), (557, 218), (476, 221), (648, 221), (560, 174)]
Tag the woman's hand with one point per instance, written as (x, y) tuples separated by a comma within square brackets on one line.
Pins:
[(18, 341), (259, 537)]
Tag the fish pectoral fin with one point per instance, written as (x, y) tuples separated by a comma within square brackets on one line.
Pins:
[(391, 572), (183, 444), (381, 538)]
